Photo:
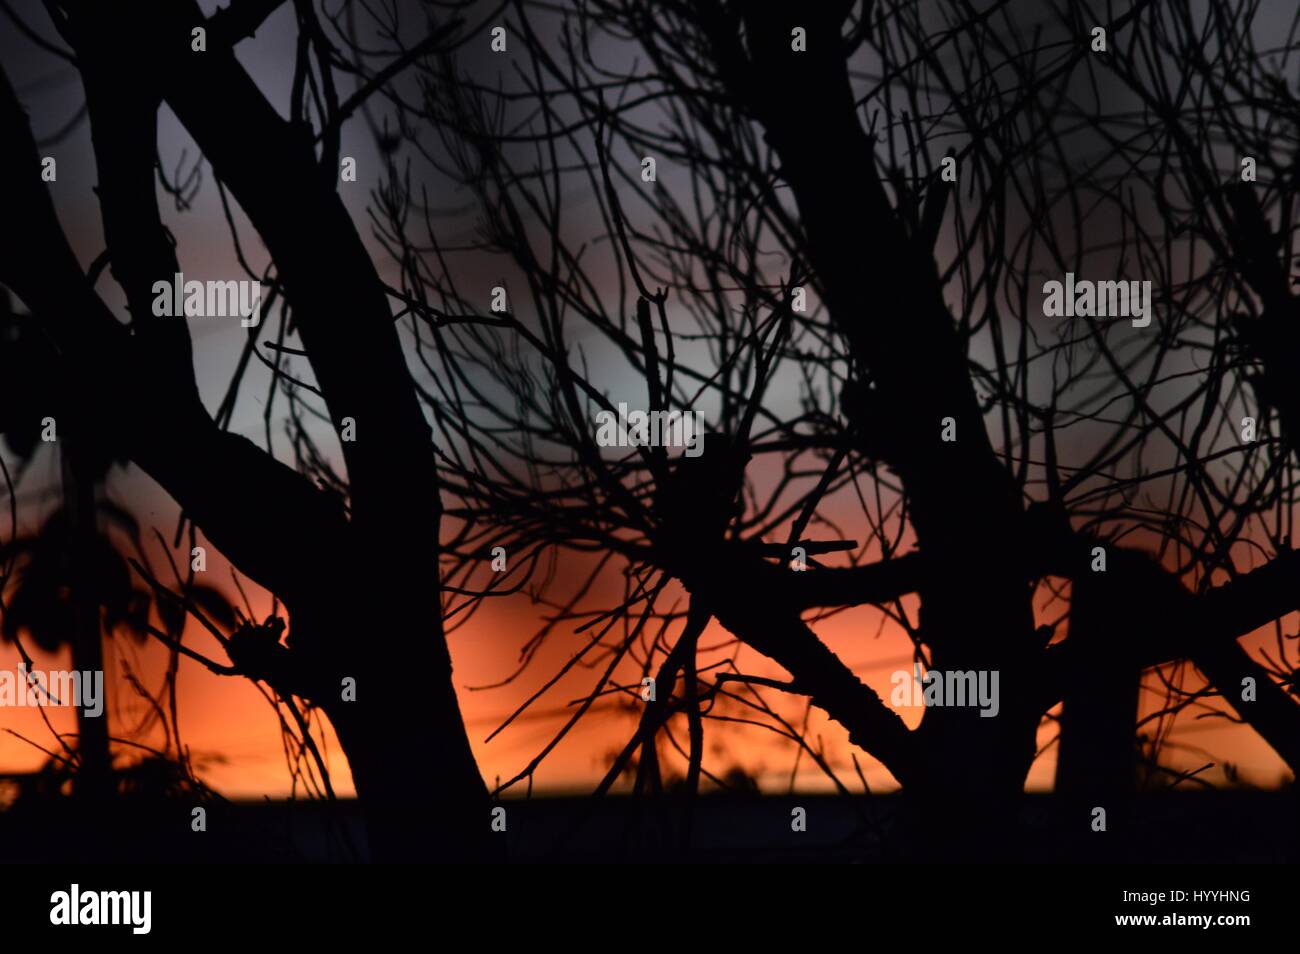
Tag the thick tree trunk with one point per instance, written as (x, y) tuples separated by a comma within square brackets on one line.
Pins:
[(364, 602), (884, 294), (1097, 756), (411, 761), (1097, 763), (966, 803)]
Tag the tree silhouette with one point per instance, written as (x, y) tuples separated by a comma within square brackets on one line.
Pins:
[(344, 575), (826, 228), (1071, 533)]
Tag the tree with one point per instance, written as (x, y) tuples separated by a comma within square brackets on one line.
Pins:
[(344, 574), (829, 230), (1027, 460)]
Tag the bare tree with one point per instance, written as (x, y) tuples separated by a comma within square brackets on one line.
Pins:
[(348, 572), (826, 229), (1082, 492)]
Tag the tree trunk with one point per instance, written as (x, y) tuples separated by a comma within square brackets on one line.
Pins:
[(411, 762), (1097, 758), (94, 780)]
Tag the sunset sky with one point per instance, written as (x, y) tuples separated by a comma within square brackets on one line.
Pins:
[(233, 734)]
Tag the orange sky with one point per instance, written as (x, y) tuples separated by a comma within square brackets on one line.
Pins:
[(227, 718), (234, 738)]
